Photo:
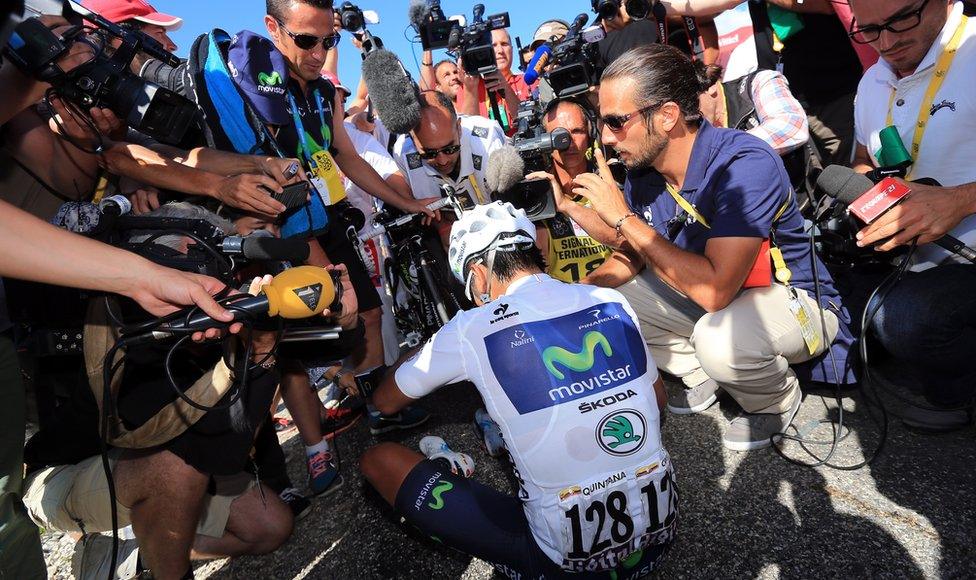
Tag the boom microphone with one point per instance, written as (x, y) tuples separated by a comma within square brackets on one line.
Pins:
[(300, 292), (505, 169), (538, 63), (393, 93), (418, 14), (868, 201)]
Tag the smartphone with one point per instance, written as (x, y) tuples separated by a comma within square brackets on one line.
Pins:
[(293, 195)]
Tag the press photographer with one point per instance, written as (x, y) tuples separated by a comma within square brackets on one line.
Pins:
[(714, 220), (915, 99), (172, 426)]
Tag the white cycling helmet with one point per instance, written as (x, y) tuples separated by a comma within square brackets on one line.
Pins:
[(493, 226)]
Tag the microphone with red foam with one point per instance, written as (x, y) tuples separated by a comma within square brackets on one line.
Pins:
[(867, 200)]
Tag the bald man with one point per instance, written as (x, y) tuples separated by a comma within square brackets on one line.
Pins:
[(447, 150)]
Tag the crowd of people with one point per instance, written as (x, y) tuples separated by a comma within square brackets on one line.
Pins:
[(689, 238)]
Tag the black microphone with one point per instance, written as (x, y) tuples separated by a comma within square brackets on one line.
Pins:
[(576, 26), (261, 246), (393, 93), (868, 200)]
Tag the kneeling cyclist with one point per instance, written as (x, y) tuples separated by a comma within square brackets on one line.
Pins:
[(565, 373)]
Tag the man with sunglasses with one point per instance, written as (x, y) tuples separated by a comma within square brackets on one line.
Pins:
[(448, 150), (304, 31), (923, 86), (726, 300)]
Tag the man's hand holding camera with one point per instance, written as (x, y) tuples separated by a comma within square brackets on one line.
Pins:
[(602, 191)]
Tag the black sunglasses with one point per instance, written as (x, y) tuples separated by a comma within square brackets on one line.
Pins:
[(429, 154), (902, 23), (617, 122), (308, 41)]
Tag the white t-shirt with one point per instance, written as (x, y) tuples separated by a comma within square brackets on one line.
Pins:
[(948, 149), (565, 373), (479, 138), (375, 155)]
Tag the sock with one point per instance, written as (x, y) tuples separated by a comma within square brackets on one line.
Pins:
[(311, 450)]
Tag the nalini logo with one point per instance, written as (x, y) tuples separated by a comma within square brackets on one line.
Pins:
[(622, 432), (521, 339), (577, 361), (436, 493)]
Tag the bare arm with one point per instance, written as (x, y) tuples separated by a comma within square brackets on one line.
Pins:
[(699, 7), (363, 175), (862, 160), (31, 249), (711, 279), (805, 6), (428, 78), (614, 271)]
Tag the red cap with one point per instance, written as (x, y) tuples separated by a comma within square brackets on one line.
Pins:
[(332, 78), (121, 10)]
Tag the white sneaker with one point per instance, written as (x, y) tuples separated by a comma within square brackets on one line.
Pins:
[(436, 448)]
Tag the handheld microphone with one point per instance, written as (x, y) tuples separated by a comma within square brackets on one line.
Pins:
[(538, 63), (576, 26), (392, 92), (868, 201), (505, 169), (86, 218), (296, 293), (261, 246)]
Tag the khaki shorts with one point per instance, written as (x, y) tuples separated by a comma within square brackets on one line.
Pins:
[(74, 498)]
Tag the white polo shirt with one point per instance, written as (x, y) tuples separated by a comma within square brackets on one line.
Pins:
[(948, 148), (376, 155), (479, 138)]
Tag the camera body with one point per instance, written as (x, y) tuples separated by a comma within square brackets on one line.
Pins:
[(106, 80), (532, 142), (473, 43), (351, 16), (576, 58), (436, 32)]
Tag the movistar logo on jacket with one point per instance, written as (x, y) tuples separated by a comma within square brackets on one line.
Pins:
[(566, 358)]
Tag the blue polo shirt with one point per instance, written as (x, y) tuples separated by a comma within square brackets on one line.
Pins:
[(738, 183)]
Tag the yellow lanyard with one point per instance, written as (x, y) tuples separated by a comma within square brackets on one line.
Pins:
[(477, 190), (685, 205), (942, 66)]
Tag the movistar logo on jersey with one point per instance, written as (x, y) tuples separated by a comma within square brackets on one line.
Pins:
[(437, 492), (549, 362), (577, 361)]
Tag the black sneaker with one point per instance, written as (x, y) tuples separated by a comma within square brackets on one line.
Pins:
[(407, 418), (298, 503)]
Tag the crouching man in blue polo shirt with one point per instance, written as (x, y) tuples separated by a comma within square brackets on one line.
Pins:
[(726, 295)]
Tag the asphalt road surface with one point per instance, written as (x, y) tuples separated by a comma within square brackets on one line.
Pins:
[(743, 515)]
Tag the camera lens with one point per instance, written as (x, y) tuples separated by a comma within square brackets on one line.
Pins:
[(607, 9), (638, 9)]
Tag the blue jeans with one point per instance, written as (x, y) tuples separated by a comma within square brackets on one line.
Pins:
[(928, 320)]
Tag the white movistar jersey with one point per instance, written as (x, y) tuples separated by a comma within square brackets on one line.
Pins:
[(565, 373)]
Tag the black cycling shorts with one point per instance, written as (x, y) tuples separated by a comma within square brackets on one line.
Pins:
[(477, 520), (340, 251)]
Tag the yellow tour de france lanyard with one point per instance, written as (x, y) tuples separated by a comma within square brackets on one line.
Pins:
[(782, 272), (942, 66)]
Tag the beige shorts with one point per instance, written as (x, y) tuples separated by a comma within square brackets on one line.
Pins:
[(74, 498)]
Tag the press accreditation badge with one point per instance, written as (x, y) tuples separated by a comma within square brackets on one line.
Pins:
[(808, 323), (326, 178)]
